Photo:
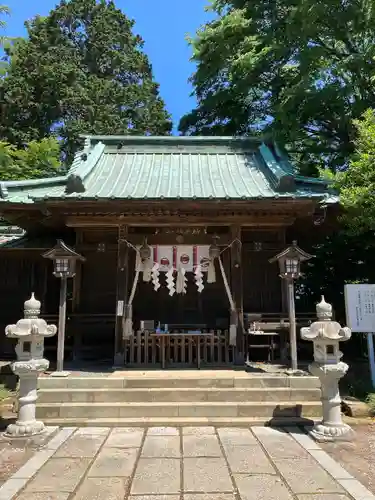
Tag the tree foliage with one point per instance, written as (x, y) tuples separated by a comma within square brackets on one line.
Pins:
[(357, 183), (81, 70), (300, 70), (36, 160)]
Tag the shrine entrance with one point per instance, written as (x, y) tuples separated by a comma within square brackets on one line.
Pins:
[(180, 311)]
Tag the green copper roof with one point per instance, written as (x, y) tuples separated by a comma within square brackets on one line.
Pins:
[(152, 168)]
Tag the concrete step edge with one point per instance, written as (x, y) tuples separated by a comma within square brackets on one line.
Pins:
[(177, 403), (180, 389), (181, 421)]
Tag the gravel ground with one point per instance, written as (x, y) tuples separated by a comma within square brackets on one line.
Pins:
[(358, 458)]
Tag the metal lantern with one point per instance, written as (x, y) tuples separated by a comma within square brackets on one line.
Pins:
[(290, 261), (64, 260)]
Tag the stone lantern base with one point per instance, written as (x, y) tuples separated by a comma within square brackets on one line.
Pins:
[(324, 433), (25, 429)]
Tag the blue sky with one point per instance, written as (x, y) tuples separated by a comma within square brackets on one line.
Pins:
[(163, 24)]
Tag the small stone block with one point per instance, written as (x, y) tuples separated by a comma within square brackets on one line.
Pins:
[(264, 487), (206, 475), (330, 465), (125, 438), (163, 431), (32, 466), (93, 431), (59, 474), (248, 460), (81, 446), (306, 476), (356, 489), (113, 462), (279, 444), (10, 488), (155, 476), (155, 497), (60, 438), (236, 437), (218, 496), (161, 446), (108, 488), (328, 496), (198, 431), (43, 496), (201, 446)]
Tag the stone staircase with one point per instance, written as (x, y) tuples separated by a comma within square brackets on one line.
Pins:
[(178, 398)]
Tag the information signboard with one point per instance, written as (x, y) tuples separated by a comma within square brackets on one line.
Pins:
[(360, 316), (360, 307)]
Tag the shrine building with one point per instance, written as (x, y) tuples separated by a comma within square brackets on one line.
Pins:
[(176, 233)]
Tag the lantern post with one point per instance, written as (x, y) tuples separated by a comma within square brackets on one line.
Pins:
[(289, 261), (64, 262)]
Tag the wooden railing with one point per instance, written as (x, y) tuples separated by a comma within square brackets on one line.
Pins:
[(144, 349)]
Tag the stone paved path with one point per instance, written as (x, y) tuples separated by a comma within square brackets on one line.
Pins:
[(182, 464)]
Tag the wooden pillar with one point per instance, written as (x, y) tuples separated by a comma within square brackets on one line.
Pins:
[(77, 286), (237, 291), (121, 294)]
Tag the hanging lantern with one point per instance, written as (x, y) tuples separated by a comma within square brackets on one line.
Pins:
[(213, 253)]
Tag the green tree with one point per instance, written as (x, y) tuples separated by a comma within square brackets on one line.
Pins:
[(300, 70), (36, 160), (357, 183), (81, 70), (4, 10)]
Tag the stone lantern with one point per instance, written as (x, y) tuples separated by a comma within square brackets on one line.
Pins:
[(29, 332), (327, 365)]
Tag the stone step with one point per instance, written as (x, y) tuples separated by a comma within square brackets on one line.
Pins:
[(148, 381), (180, 394), (181, 409), (180, 422)]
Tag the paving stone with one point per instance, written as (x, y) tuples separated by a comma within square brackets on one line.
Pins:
[(218, 496), (279, 444), (161, 446), (125, 438), (328, 496), (198, 431), (108, 488), (155, 497), (81, 446), (93, 431), (163, 431), (249, 459), (303, 439), (32, 466), (330, 465), (155, 476), (206, 475), (201, 446), (236, 437), (264, 487), (10, 488), (59, 474), (306, 476), (43, 496), (356, 489), (113, 462), (60, 438)]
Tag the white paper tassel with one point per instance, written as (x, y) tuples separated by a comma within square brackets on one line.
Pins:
[(232, 334), (181, 281), (147, 269), (199, 278), (155, 277), (170, 282), (211, 274)]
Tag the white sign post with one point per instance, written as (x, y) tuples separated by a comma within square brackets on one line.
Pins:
[(360, 316)]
